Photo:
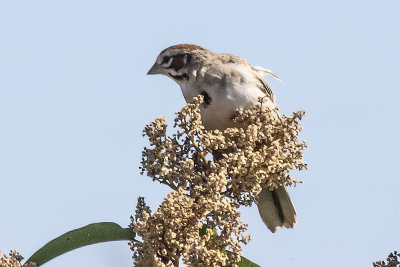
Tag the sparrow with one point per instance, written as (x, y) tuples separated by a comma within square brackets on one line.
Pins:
[(227, 82)]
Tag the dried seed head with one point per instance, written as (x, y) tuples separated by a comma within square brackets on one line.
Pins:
[(212, 173)]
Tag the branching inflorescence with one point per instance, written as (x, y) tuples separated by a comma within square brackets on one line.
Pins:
[(211, 174), (14, 260)]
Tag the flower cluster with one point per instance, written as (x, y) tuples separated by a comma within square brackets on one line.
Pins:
[(212, 173), (393, 260), (184, 227), (10, 261), (13, 260)]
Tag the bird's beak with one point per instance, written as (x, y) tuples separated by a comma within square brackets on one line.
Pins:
[(154, 70)]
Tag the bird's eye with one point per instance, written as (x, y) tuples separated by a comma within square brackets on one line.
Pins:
[(165, 59)]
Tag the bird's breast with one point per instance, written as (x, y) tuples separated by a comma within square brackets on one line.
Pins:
[(221, 102)]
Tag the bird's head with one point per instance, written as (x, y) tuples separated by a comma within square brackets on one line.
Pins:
[(176, 61)]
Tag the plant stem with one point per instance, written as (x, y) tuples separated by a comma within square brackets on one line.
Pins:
[(196, 146)]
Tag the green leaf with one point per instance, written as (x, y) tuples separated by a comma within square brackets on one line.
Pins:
[(87, 235), (203, 230), (243, 261), (246, 263)]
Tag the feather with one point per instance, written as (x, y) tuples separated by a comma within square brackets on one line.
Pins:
[(265, 71)]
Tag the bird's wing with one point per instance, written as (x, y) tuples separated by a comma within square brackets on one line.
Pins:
[(264, 86), (262, 82)]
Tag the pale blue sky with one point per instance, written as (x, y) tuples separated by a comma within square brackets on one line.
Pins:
[(74, 98)]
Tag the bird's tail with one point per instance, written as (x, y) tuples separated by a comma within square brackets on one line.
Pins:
[(276, 209)]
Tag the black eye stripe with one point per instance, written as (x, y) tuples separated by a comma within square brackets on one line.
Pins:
[(178, 61)]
